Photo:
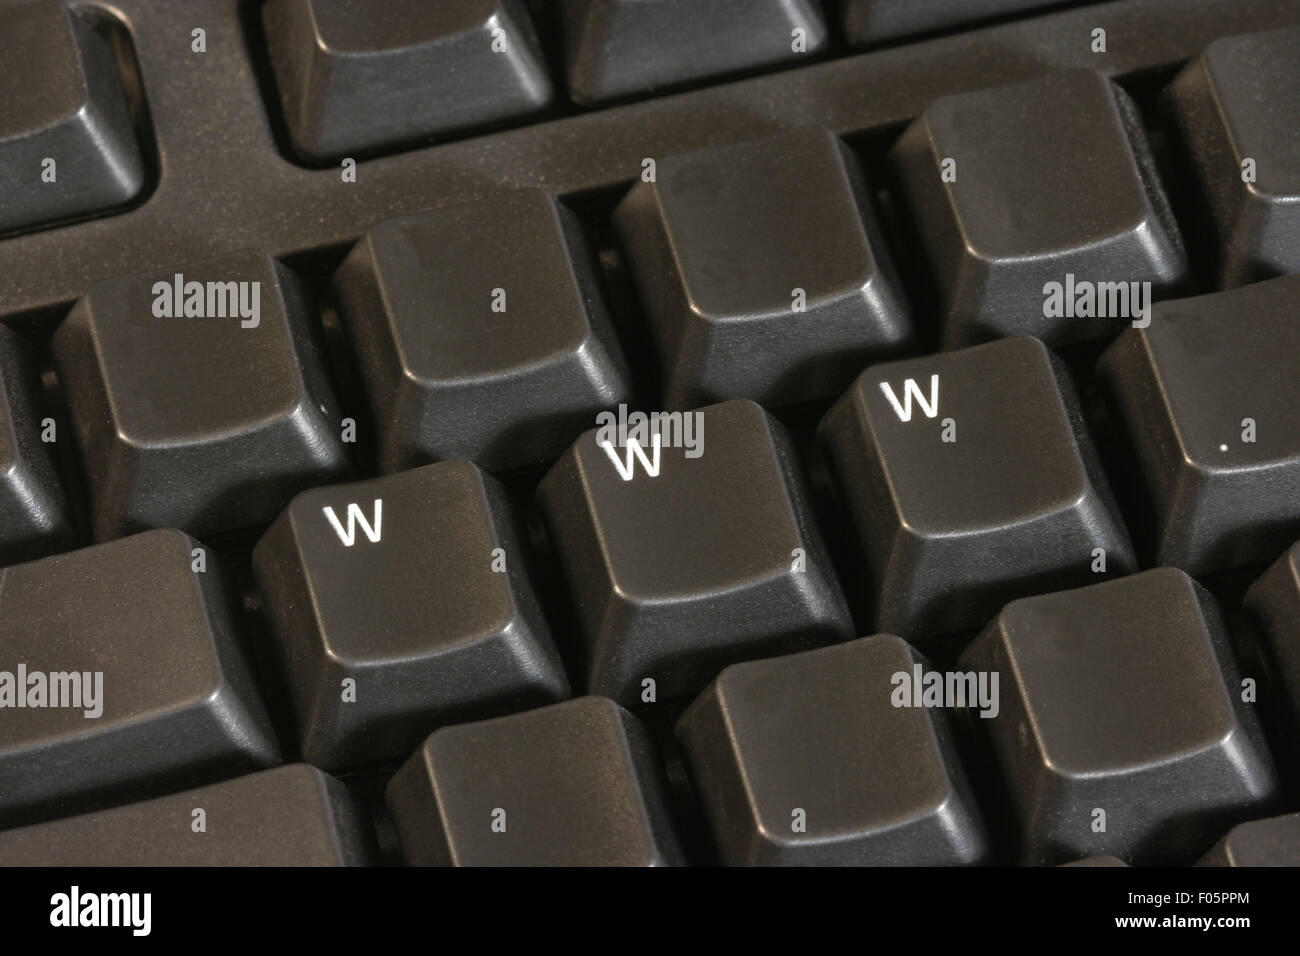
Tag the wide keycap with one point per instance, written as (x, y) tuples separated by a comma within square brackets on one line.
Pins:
[(120, 672), (288, 816)]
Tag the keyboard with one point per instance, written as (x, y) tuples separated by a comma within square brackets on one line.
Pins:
[(649, 433)]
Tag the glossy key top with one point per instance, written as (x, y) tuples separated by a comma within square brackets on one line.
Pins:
[(481, 332), (67, 146), (687, 547), (288, 816), (807, 760), (1122, 729), (198, 395), (969, 479), (401, 604), (33, 513), (119, 668), (1040, 210), (1237, 108), (1207, 396), (761, 270), (573, 784), (616, 48), (354, 77)]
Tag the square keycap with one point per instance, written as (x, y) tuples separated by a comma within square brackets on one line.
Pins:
[(573, 784), (1122, 729), (67, 145), (1027, 232), (808, 760), (401, 604), (761, 270), (692, 558), (199, 396), (480, 332)]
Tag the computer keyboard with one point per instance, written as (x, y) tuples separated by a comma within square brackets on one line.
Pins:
[(649, 433)]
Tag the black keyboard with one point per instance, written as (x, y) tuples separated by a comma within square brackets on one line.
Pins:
[(649, 432)]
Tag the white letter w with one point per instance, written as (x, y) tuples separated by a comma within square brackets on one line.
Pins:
[(632, 450), (910, 390), (355, 517)]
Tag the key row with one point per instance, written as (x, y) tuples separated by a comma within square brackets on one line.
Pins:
[(1145, 748), (968, 477), (70, 138)]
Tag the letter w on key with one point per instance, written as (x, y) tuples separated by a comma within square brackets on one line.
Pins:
[(356, 517), (912, 390), (626, 466)]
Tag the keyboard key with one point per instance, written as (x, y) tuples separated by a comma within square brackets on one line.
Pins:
[(1097, 861), (481, 333), (1121, 730), (1040, 210), (119, 668), (67, 147), (1237, 109), (688, 548), (354, 78), (1208, 397), (616, 48), (805, 760), (969, 479), (399, 604), (1273, 842), (573, 784), (198, 396), (1275, 602), (288, 816), (873, 21), (33, 514), (761, 270)]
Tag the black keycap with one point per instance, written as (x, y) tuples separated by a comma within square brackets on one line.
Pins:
[(209, 423), (481, 332), (1027, 232), (1237, 108), (1275, 601), (1273, 842), (1122, 729), (119, 668), (761, 270), (400, 604), (288, 816), (616, 48), (1208, 397), (33, 514), (67, 146), (873, 21), (688, 548), (808, 760), (354, 77), (970, 479), (573, 784)]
